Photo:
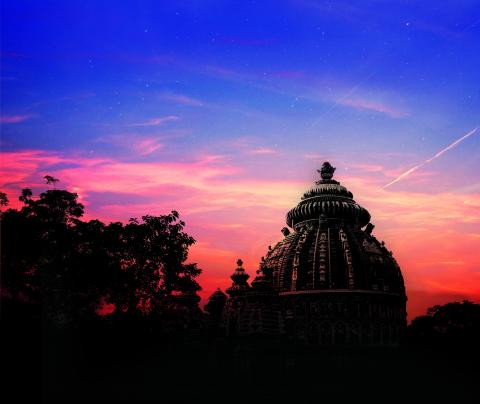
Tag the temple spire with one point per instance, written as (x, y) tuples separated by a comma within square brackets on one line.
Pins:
[(239, 278)]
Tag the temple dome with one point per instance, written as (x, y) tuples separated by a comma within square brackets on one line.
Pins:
[(329, 249), (330, 199), (330, 281)]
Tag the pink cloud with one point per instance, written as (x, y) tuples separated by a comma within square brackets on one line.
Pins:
[(18, 167), (142, 145), (229, 74), (15, 118), (366, 167), (147, 146), (263, 151), (156, 121), (182, 99), (376, 106), (315, 156), (26, 168), (250, 145)]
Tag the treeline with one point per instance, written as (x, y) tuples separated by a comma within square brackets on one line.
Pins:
[(65, 272), (61, 274), (455, 324)]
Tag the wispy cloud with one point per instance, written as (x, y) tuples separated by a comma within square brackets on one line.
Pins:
[(226, 73), (263, 151), (24, 168), (315, 157), (376, 106), (181, 99), (147, 146), (142, 145), (312, 86), (15, 118), (420, 165), (367, 167), (250, 145), (155, 121)]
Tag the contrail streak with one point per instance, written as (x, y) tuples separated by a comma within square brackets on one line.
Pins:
[(415, 168)]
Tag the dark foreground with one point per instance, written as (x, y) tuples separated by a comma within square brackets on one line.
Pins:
[(90, 366)]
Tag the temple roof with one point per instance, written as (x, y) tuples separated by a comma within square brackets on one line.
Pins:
[(239, 278), (327, 199), (328, 248)]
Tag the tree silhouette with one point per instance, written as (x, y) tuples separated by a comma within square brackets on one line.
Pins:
[(26, 195), (152, 258), (51, 180), (3, 199), (69, 267), (449, 324)]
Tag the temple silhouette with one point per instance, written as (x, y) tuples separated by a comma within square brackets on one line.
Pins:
[(328, 282)]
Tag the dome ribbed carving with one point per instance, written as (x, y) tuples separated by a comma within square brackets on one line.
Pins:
[(329, 249), (330, 199)]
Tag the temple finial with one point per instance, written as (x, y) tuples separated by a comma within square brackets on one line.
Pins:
[(327, 170), (239, 278)]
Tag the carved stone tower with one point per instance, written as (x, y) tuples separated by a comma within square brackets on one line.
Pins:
[(340, 284), (332, 281)]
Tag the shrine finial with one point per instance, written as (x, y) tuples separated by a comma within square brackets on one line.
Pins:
[(327, 170)]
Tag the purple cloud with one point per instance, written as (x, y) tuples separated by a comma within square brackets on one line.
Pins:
[(15, 118), (156, 121)]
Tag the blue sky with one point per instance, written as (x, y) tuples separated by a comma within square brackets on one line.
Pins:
[(264, 69)]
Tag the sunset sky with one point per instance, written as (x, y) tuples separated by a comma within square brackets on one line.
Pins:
[(223, 111)]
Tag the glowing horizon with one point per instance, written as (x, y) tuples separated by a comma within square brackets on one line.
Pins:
[(225, 114)]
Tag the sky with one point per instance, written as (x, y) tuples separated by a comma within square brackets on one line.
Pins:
[(224, 110)]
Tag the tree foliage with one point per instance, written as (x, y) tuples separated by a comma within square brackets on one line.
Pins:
[(51, 180), (3, 199), (448, 324), (72, 268)]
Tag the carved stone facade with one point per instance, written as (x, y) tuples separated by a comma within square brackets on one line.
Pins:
[(329, 281)]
